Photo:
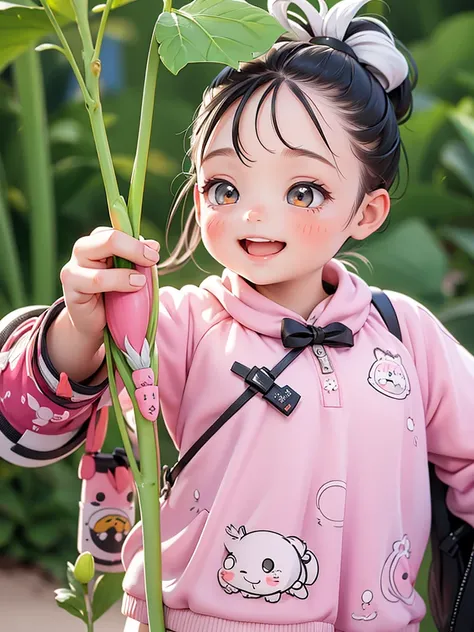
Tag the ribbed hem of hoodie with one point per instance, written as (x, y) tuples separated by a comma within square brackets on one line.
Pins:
[(187, 621), (134, 608)]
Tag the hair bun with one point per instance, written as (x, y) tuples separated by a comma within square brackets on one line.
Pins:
[(374, 47)]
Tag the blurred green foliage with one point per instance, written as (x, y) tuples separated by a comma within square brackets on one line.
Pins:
[(427, 250)]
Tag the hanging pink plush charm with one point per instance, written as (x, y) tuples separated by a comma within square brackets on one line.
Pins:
[(144, 380), (127, 318)]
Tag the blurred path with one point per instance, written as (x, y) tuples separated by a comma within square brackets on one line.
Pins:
[(27, 604)]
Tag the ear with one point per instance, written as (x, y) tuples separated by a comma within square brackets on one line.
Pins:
[(379, 354), (197, 205), (371, 214)]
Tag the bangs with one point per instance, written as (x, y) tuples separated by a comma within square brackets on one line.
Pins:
[(230, 94)]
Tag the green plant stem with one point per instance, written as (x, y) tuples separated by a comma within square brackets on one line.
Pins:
[(90, 624), (137, 182), (109, 351), (148, 494), (102, 25), (67, 50), (116, 203), (36, 154), (9, 256)]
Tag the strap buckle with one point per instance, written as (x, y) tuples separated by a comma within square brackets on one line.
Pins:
[(167, 483)]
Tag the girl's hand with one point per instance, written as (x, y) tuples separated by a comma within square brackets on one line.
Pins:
[(89, 273)]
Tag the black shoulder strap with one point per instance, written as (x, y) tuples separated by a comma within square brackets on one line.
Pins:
[(385, 308), (171, 474)]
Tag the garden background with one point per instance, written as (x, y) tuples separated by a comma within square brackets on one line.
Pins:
[(51, 193)]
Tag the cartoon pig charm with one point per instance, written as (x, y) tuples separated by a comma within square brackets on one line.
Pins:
[(106, 508)]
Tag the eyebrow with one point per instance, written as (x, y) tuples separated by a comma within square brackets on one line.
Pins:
[(229, 152)]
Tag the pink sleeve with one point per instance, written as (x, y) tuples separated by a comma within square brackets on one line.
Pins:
[(446, 373), (37, 426)]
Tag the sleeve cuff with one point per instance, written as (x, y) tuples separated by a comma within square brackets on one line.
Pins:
[(81, 391)]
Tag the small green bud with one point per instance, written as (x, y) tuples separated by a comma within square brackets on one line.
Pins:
[(96, 67), (84, 568)]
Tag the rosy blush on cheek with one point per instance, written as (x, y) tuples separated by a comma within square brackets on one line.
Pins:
[(214, 226), (272, 582), (227, 576), (310, 231)]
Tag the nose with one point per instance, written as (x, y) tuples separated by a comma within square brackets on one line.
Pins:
[(253, 215)]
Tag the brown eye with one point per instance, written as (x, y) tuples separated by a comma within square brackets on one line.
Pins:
[(305, 195), (222, 193)]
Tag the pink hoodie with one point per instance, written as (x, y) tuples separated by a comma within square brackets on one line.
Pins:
[(315, 522)]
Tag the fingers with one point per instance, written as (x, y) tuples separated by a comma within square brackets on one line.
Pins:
[(96, 249), (80, 282)]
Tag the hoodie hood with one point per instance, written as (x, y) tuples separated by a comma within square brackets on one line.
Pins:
[(350, 303)]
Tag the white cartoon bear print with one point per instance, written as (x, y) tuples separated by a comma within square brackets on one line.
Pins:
[(388, 375), (267, 564), (395, 581)]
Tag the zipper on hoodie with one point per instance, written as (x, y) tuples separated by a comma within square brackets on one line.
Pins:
[(327, 378)]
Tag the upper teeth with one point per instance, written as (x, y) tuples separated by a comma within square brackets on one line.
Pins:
[(258, 239)]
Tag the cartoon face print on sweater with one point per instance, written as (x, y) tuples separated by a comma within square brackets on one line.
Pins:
[(395, 581), (388, 375), (266, 564)]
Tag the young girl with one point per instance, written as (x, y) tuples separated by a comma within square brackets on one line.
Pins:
[(309, 509)]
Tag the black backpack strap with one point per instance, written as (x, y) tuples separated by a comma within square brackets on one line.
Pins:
[(171, 474), (387, 311)]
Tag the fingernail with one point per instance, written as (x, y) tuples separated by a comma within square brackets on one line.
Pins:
[(152, 243), (137, 279), (150, 254)]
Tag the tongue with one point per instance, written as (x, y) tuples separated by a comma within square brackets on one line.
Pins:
[(263, 248)]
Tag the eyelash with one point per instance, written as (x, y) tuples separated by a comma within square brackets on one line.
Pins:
[(324, 192)]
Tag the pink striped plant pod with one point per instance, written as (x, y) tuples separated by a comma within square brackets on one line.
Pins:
[(127, 318)]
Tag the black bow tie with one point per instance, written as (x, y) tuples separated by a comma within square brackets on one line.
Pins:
[(296, 335)]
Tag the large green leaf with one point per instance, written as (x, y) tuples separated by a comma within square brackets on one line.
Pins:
[(21, 26), (426, 202), (23, 23), (449, 50), (107, 591), (424, 136), (408, 259), (458, 318), (465, 126), (222, 31), (462, 237), (64, 7), (459, 160), (70, 602)]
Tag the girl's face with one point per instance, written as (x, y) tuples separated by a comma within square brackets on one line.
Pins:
[(284, 216)]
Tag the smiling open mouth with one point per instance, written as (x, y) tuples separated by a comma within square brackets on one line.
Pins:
[(261, 247)]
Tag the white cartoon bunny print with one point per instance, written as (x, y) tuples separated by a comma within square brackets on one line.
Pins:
[(44, 415), (266, 564)]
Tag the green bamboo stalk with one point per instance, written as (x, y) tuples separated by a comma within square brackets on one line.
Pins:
[(36, 153), (9, 257)]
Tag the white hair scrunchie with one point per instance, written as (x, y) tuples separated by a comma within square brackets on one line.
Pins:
[(374, 49)]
